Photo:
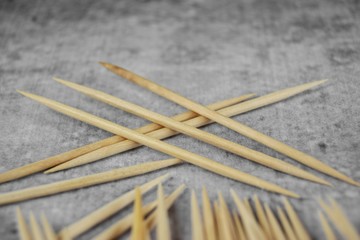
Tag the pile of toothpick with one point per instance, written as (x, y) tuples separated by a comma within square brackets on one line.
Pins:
[(216, 220)]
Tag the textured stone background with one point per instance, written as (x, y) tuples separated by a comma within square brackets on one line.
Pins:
[(205, 50)]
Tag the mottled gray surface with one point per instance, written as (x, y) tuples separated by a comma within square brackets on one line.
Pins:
[(205, 50)]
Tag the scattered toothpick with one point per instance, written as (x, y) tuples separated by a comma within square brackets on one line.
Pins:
[(223, 107), (299, 228), (121, 226), (138, 228), (152, 129), (184, 128), (329, 234), (86, 181), (161, 146), (163, 226), (197, 226), (23, 228), (92, 219), (36, 232), (339, 219), (230, 123)]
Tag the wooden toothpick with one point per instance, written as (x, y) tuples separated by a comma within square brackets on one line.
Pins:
[(208, 217), (197, 121), (329, 234), (230, 123), (163, 226), (252, 229), (194, 132), (299, 228), (36, 232), (48, 230), (197, 226), (339, 219), (153, 129), (288, 229), (23, 228), (89, 148), (138, 227), (274, 224), (101, 214), (121, 226), (86, 181), (161, 146), (260, 214)]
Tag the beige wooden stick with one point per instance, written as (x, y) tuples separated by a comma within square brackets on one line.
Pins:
[(86, 181), (151, 129), (23, 228), (64, 157), (299, 229), (151, 220), (161, 146), (326, 227), (289, 231), (226, 220), (230, 123), (274, 224), (204, 136), (220, 230), (35, 228), (239, 226), (252, 229), (101, 214), (197, 226), (208, 217), (198, 121), (163, 226), (138, 227), (339, 219), (263, 222), (121, 226), (48, 230)]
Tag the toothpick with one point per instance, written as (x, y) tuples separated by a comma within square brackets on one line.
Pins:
[(200, 121), (339, 219), (274, 225), (121, 226), (217, 217), (161, 146), (48, 230), (86, 181), (225, 217), (239, 226), (163, 226), (253, 231), (289, 231), (101, 214), (138, 228), (208, 217), (329, 234), (35, 228), (197, 226), (154, 129), (230, 123), (74, 154), (53, 161), (263, 222), (299, 229), (23, 229), (201, 135)]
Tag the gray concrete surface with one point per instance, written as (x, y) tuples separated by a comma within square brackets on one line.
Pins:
[(205, 50)]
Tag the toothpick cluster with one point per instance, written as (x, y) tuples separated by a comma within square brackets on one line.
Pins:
[(217, 221)]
